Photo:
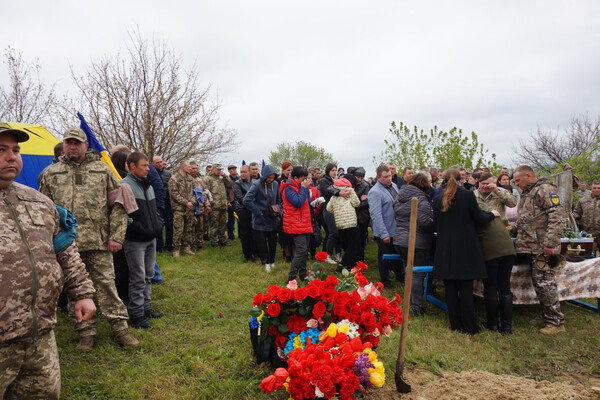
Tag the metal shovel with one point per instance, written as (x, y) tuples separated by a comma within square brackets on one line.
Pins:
[(401, 385)]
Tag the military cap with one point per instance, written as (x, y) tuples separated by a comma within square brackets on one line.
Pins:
[(75, 133), (19, 135), (217, 166), (550, 263)]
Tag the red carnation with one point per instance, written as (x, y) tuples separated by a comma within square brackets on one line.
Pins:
[(268, 384), (274, 309), (319, 310), (321, 256), (258, 299), (284, 295), (281, 340), (361, 266), (360, 278)]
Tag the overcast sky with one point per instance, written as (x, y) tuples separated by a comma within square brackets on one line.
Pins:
[(336, 73)]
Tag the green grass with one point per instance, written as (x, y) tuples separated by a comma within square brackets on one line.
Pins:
[(193, 353)]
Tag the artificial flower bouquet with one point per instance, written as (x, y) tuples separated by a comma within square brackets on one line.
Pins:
[(292, 319), (337, 364)]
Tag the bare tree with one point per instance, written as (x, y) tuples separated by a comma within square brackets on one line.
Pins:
[(547, 150), (146, 101), (26, 99)]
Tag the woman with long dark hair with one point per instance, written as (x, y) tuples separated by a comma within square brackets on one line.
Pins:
[(458, 255)]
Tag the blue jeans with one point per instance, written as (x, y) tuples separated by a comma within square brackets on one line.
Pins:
[(141, 257)]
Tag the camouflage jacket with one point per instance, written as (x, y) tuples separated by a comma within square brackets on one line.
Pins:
[(437, 182), (587, 214), (218, 185), (541, 218), (31, 274), (181, 191), (498, 200), (84, 189)]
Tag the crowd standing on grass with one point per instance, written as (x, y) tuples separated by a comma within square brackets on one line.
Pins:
[(111, 248)]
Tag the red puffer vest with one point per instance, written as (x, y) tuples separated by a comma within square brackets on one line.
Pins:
[(296, 221)]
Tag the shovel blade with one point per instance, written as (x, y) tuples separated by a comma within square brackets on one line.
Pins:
[(401, 385)]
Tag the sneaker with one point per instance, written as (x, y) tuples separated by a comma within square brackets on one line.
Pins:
[(175, 253), (550, 329), (153, 314), (272, 266), (338, 257), (125, 338), (86, 343), (140, 323), (267, 267), (330, 260), (188, 250)]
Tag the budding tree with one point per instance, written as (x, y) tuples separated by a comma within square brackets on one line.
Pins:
[(300, 153), (438, 148), (147, 101), (26, 98), (578, 144)]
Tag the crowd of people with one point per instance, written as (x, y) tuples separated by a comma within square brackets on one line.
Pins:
[(84, 219)]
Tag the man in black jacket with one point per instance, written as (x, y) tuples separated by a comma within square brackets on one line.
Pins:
[(245, 232), (143, 226)]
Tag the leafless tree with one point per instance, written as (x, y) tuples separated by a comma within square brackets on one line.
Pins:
[(146, 101), (545, 150), (26, 98)]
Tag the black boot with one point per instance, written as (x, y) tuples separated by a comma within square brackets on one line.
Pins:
[(506, 314), (491, 311)]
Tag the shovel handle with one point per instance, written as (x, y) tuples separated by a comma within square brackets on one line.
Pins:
[(414, 205)]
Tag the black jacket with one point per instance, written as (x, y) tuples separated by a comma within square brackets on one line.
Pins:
[(458, 253), (144, 224)]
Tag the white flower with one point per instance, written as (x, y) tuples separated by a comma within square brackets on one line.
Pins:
[(318, 392)]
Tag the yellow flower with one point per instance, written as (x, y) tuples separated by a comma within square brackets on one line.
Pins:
[(371, 353), (377, 367), (343, 328), (377, 379), (259, 318), (332, 330)]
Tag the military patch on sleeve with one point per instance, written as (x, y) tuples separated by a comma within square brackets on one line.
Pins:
[(554, 199)]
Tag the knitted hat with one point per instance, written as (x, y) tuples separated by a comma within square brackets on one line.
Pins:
[(342, 182)]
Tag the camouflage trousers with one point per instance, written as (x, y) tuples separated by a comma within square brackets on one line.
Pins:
[(99, 265), (218, 222), (30, 370), (198, 230), (544, 284), (183, 228)]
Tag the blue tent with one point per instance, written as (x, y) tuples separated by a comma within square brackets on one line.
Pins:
[(37, 152)]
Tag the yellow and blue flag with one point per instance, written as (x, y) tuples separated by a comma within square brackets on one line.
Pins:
[(96, 146)]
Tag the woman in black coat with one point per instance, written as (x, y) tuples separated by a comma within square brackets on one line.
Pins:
[(458, 255)]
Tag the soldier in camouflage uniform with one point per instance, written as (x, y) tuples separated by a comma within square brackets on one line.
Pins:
[(181, 191), (36, 261), (81, 183), (587, 214), (539, 228), (217, 183), (200, 209), (495, 197)]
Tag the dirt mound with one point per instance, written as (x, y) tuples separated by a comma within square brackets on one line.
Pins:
[(474, 384)]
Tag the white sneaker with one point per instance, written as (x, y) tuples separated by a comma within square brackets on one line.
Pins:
[(272, 266), (267, 267), (330, 260), (338, 257)]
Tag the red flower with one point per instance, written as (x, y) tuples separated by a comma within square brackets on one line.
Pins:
[(300, 294), (257, 300), (284, 295), (274, 309), (340, 298), (398, 298), (367, 318), (319, 309), (360, 278), (268, 384), (281, 340), (267, 298), (321, 256), (361, 266), (313, 290), (331, 280)]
